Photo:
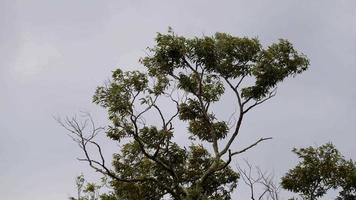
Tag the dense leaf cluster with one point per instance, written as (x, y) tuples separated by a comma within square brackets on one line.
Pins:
[(321, 169)]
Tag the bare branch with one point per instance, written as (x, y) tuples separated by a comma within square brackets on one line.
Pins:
[(272, 94), (239, 121), (248, 179), (175, 114), (76, 130), (240, 81), (270, 186), (161, 115), (261, 184), (252, 145)]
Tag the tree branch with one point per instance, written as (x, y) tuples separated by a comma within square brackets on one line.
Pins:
[(239, 121), (252, 145), (259, 102)]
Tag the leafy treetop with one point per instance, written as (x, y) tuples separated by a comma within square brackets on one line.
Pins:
[(321, 169)]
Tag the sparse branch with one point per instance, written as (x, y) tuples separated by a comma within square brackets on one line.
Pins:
[(176, 102), (270, 187), (240, 81), (132, 102), (236, 92), (261, 184), (76, 130), (272, 94), (248, 179), (242, 112), (100, 152), (252, 145), (246, 101), (146, 109), (227, 162), (161, 115), (232, 119), (239, 121), (77, 134), (174, 115)]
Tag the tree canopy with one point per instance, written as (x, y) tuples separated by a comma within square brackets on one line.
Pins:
[(321, 169), (189, 75)]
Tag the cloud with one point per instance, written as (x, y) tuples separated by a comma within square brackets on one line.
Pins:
[(33, 57)]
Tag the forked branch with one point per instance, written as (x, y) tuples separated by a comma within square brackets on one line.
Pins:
[(260, 184)]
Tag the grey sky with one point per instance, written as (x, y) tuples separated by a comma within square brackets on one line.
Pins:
[(54, 54)]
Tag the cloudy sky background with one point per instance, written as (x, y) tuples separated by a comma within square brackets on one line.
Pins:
[(54, 54)]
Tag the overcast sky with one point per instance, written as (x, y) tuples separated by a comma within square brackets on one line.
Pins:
[(54, 54)]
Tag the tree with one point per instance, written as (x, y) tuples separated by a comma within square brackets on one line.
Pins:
[(321, 169), (190, 75)]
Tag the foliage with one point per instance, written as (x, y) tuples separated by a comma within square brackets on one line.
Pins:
[(190, 75), (321, 169), (91, 191), (347, 180)]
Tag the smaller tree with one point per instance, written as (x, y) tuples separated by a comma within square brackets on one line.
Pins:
[(321, 169)]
